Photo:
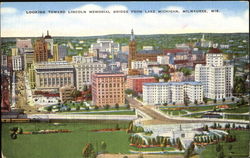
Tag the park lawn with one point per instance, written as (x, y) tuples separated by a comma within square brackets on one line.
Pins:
[(174, 112), (200, 108), (241, 109), (240, 117), (195, 115), (152, 149), (240, 147), (107, 113), (62, 145)]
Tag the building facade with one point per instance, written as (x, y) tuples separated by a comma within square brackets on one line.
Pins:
[(84, 68), (17, 63), (135, 82), (66, 93), (216, 77), (139, 56), (23, 44), (108, 88), (28, 60), (49, 40), (172, 92), (41, 51), (53, 75)]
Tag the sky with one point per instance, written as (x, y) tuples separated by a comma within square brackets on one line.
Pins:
[(232, 16)]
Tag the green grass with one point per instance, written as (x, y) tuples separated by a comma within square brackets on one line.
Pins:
[(241, 117), (110, 113), (240, 147), (152, 149), (62, 145), (241, 109), (174, 112), (200, 108), (194, 115)]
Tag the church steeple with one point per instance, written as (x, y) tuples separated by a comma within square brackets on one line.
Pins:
[(132, 37)]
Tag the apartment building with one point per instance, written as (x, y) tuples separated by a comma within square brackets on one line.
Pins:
[(172, 92)]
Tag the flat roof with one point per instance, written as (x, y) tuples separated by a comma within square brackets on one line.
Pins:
[(172, 83)]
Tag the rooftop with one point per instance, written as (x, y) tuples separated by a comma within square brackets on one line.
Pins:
[(175, 50), (214, 50), (172, 83), (150, 52), (140, 76)]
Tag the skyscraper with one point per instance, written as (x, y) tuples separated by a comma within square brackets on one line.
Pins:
[(49, 41), (216, 77), (41, 51)]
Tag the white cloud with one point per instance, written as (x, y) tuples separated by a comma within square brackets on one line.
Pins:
[(8, 10), (103, 23)]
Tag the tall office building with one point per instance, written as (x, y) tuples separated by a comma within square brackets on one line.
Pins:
[(55, 52), (216, 77), (17, 62), (108, 88), (50, 45), (41, 51), (85, 67)]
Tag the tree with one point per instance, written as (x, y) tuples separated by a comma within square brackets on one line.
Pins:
[(239, 85), (68, 109), (205, 128), (215, 101), (107, 106), (205, 100), (230, 146), (117, 106), (49, 108), (96, 107), (195, 102), (13, 136), (103, 146), (223, 100), (78, 108), (128, 106), (242, 101), (232, 99), (165, 104), (88, 151), (218, 148), (221, 154), (87, 108)]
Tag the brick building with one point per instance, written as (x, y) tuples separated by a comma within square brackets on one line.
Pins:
[(41, 51), (108, 88), (135, 82)]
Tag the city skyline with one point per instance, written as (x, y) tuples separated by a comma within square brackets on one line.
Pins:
[(232, 18)]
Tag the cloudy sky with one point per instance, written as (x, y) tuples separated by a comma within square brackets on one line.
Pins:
[(232, 17)]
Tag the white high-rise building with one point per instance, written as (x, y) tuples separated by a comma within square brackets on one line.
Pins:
[(217, 78), (172, 92), (17, 63), (85, 67)]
